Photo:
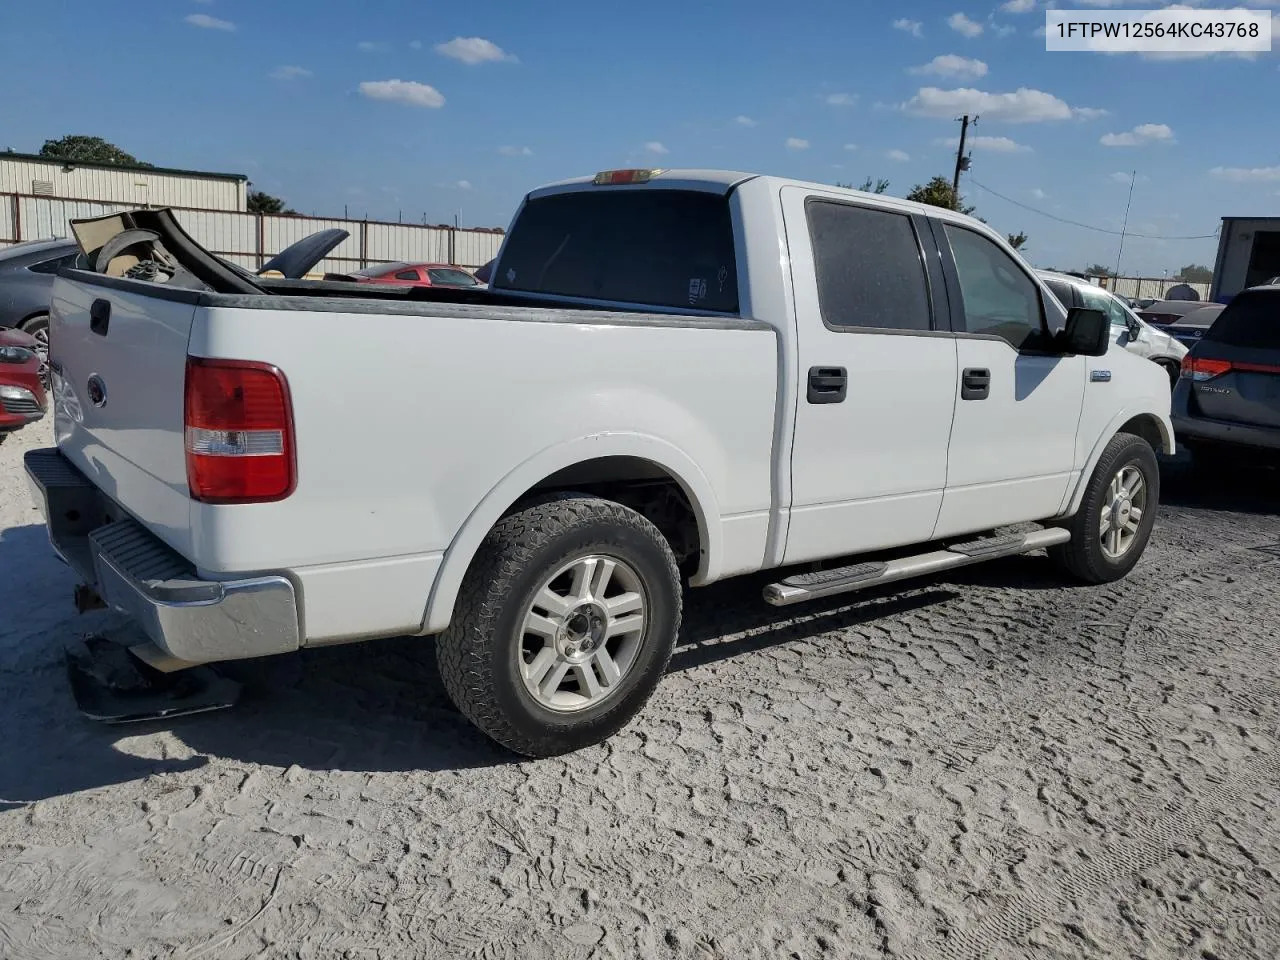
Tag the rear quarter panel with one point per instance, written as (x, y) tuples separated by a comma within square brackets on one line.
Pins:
[(406, 423)]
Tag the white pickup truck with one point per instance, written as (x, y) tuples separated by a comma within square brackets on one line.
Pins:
[(675, 375)]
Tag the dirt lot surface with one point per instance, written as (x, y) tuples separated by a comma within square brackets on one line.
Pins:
[(984, 766)]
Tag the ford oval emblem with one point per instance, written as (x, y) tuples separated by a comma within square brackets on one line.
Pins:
[(97, 390)]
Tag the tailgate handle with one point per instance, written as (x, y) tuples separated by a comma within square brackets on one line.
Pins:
[(100, 317)]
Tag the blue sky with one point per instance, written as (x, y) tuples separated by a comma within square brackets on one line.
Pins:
[(493, 99)]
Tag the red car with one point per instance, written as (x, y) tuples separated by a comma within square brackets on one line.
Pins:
[(22, 396), (417, 275)]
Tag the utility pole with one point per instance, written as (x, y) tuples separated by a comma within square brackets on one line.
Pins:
[(962, 162), (1125, 228)]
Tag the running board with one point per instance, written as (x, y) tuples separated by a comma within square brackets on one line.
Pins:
[(860, 576)]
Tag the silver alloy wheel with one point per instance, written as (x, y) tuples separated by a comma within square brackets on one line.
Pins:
[(41, 337), (1123, 511), (582, 632)]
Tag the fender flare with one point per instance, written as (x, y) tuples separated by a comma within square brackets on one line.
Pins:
[(1136, 409), (521, 479)]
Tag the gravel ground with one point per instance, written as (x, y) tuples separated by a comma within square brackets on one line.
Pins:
[(988, 765)]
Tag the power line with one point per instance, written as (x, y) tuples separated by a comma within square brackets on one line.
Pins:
[(1086, 226)]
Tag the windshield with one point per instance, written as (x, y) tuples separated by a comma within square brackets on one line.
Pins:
[(650, 247)]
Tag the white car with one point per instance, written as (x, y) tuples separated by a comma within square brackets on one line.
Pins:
[(1130, 331), (675, 376)]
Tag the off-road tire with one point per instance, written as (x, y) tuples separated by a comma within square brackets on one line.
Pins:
[(477, 653), (1082, 557)]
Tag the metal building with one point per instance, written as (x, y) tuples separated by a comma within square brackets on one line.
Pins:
[(29, 175), (1248, 254)]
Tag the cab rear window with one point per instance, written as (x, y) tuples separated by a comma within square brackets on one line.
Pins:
[(648, 247)]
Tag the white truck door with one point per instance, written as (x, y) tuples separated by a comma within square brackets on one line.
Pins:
[(1013, 439), (877, 377)]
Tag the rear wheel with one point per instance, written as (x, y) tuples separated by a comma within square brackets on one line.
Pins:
[(1112, 526), (564, 625)]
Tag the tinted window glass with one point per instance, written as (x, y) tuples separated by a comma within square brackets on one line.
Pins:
[(665, 248), (407, 275), (999, 298), (1062, 291), (456, 278), (53, 266), (1250, 320), (868, 268)]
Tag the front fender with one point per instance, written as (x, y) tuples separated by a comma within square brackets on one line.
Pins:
[(1136, 409), (531, 472)]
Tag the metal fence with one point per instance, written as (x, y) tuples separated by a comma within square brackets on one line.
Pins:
[(1139, 288), (250, 239)]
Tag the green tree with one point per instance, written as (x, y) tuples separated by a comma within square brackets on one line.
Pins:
[(1194, 273), (867, 186), (77, 146), (259, 202), (1098, 270), (1017, 240), (938, 193)]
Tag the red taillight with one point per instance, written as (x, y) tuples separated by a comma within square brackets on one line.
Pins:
[(610, 177), (239, 432), (1198, 368)]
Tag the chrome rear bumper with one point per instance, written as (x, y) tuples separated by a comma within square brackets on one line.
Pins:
[(197, 620)]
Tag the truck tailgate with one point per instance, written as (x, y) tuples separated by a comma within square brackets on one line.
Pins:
[(118, 363)]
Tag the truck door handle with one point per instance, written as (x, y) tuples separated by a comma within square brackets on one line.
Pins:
[(975, 383), (828, 384), (100, 317)]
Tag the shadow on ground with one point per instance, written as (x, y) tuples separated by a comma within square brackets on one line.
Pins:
[(381, 706)]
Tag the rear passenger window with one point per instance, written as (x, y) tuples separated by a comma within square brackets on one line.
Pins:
[(868, 266), (1251, 320), (407, 275), (1000, 300)]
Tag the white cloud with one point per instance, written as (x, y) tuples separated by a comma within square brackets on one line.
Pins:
[(963, 25), (1040, 32), (1021, 106), (899, 156), (1121, 176), (206, 22), (370, 46), (415, 44), (1039, 194), (654, 147), (1247, 174), (464, 184), (515, 151), (913, 27), (474, 50), (841, 99), (1003, 30), (796, 143), (744, 121), (989, 144), (851, 147), (408, 92), (1140, 135), (291, 73), (950, 65), (1018, 6)]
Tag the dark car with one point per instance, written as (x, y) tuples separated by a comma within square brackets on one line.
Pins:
[(1227, 401), (22, 396), (1164, 312), (26, 278), (1195, 324)]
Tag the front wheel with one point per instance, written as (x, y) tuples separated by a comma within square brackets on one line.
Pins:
[(564, 625), (1112, 526), (38, 327)]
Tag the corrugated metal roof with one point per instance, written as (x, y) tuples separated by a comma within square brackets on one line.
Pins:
[(173, 171)]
